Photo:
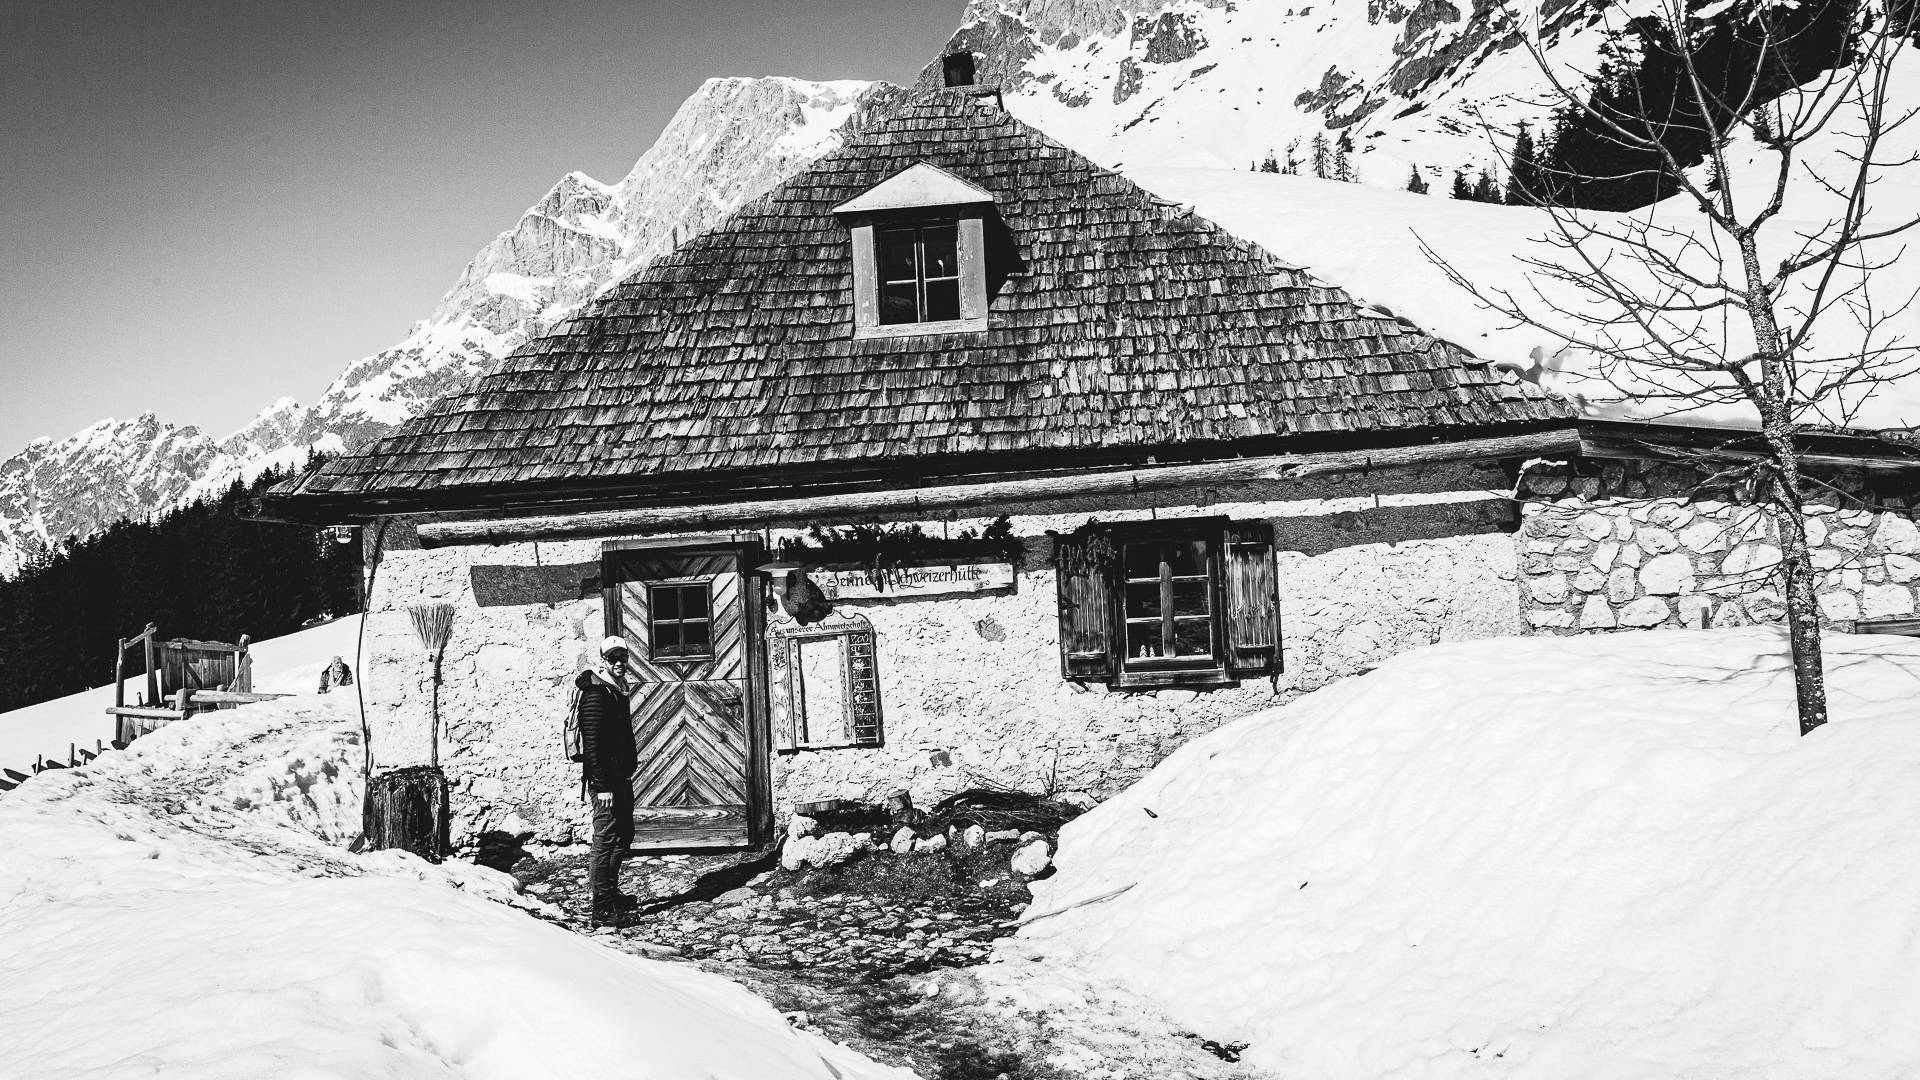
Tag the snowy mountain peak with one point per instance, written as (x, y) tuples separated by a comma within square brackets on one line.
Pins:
[(731, 140), (1196, 83)]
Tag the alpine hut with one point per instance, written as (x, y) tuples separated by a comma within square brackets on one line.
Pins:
[(955, 460)]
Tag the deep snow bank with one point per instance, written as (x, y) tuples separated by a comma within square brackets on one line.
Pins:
[(180, 909), (1553, 857)]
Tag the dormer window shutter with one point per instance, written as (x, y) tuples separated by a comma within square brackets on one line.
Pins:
[(1084, 565), (1252, 587)]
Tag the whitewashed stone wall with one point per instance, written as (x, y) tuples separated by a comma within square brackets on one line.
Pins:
[(971, 688), (1632, 546)]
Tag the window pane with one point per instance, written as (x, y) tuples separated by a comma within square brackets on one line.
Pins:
[(1143, 560), (1143, 599), (940, 244), (1193, 637), (897, 303), (943, 301), (1191, 597), (896, 255), (1187, 558), (693, 601), (666, 602), (1143, 640), (666, 639), (696, 638)]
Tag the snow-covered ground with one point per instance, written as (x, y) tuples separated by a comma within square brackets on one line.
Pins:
[(290, 664), (184, 909), (1598, 856)]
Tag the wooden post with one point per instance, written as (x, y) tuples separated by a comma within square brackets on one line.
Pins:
[(242, 668), (153, 676), (119, 676)]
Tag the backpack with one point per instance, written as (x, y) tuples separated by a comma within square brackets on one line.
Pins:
[(570, 730)]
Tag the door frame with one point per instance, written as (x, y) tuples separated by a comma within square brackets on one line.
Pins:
[(749, 552)]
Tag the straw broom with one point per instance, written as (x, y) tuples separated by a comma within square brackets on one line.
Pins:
[(433, 625)]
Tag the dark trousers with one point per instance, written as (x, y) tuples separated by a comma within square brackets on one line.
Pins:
[(612, 837)]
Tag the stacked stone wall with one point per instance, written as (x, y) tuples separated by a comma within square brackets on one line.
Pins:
[(1633, 546)]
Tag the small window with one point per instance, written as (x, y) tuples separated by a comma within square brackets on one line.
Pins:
[(680, 620), (1174, 603), (1168, 603), (919, 273)]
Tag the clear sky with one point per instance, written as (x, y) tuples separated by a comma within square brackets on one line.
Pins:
[(207, 205)]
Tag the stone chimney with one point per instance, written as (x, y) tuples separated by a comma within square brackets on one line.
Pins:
[(956, 68), (956, 73)]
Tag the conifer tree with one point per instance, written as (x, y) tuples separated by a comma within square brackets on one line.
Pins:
[(1291, 166), (1320, 156), (1523, 170), (1484, 189), (1415, 183), (1462, 190), (1343, 159)]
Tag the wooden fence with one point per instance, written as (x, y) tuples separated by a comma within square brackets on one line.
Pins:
[(76, 757)]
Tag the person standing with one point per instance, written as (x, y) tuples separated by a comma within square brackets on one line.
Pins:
[(606, 741)]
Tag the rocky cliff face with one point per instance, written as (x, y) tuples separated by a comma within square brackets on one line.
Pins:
[(729, 142), (86, 481), (1219, 83)]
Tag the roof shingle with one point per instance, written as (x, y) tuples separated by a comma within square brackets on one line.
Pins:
[(1127, 324)]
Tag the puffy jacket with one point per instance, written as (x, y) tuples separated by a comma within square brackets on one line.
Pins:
[(606, 733)]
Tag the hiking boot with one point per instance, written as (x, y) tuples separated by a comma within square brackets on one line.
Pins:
[(607, 915), (627, 902)]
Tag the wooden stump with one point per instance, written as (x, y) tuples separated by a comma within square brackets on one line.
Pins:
[(407, 809)]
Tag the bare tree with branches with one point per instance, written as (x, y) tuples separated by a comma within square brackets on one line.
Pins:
[(1742, 294)]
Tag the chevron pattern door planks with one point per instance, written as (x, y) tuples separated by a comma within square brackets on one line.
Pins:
[(685, 617)]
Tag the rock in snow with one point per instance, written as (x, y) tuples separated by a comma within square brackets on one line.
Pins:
[(1031, 859), (1600, 856)]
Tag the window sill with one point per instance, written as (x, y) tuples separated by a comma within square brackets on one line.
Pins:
[(1160, 680), (804, 747), (921, 329)]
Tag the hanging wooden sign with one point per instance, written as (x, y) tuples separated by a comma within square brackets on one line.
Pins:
[(910, 582)]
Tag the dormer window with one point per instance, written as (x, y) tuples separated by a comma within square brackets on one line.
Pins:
[(919, 273), (919, 254)]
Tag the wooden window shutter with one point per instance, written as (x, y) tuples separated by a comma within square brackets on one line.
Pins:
[(1083, 562), (1253, 599)]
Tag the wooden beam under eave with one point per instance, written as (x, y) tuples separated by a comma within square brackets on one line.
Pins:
[(919, 502), (1692, 446)]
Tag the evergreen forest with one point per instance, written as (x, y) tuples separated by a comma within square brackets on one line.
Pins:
[(201, 571)]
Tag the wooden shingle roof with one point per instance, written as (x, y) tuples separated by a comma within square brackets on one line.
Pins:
[(1126, 326)]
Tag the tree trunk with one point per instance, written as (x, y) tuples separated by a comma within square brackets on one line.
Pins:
[(1803, 607), (1773, 397)]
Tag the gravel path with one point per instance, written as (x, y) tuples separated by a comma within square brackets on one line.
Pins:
[(890, 955)]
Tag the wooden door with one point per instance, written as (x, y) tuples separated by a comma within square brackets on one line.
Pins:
[(691, 619)]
